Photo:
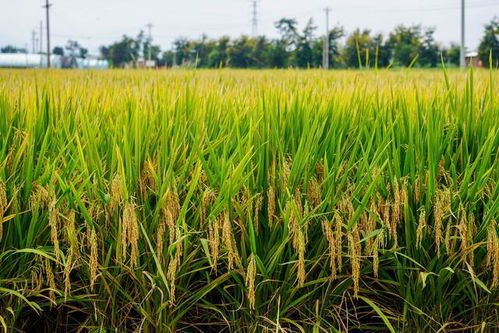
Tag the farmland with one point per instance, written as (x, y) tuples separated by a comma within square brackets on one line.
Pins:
[(240, 200)]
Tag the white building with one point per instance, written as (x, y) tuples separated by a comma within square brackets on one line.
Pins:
[(31, 60)]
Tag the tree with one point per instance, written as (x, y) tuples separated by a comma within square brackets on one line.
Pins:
[(122, 52), (58, 50), (75, 49), (218, 55), (430, 51), (181, 49), (288, 30), (382, 51), (12, 49), (406, 43), (451, 54), (358, 50), (303, 53), (277, 54), (240, 52), (490, 43)]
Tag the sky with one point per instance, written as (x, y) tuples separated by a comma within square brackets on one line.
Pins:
[(99, 22)]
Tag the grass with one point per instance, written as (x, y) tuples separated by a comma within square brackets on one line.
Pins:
[(283, 201)]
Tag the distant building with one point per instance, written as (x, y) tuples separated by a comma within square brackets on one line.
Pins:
[(472, 58), (32, 60)]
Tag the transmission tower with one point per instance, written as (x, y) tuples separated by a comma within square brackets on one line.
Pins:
[(254, 19)]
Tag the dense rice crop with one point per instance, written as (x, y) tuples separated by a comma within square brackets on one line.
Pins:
[(249, 201)]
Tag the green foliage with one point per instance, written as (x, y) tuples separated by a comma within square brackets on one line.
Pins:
[(489, 45), (58, 50), (13, 49), (406, 43)]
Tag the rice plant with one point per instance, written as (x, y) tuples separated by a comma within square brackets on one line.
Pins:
[(232, 200)]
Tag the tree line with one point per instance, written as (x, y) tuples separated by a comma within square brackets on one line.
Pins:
[(412, 45)]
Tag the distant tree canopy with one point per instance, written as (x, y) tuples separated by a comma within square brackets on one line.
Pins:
[(302, 48), (489, 45), (12, 49), (130, 49), (58, 50)]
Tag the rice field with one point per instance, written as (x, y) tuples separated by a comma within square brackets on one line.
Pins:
[(249, 201)]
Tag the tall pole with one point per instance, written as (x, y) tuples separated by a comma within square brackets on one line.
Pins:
[(462, 60), (41, 37), (325, 51), (33, 41), (47, 7), (254, 20), (149, 26)]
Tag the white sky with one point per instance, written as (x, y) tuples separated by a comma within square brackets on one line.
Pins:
[(97, 22)]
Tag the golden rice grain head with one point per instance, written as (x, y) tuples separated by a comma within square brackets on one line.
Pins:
[(329, 234), (160, 237), (353, 249), (3, 199), (72, 235), (339, 240), (442, 207), (397, 203), (207, 199), (173, 202), (421, 227), (463, 231), (417, 190), (271, 204), (301, 274), (67, 272), (298, 203), (171, 276), (250, 281), (286, 171), (131, 233), (116, 192), (94, 259), (3, 206), (258, 208), (493, 252), (53, 223), (314, 193), (50, 280), (375, 253), (229, 242), (447, 238), (214, 241), (491, 241)]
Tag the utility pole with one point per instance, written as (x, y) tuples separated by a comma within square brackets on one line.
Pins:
[(462, 60), (254, 19), (41, 37), (149, 27), (47, 7), (33, 40), (325, 51)]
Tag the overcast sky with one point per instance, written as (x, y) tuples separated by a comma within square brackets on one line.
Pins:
[(97, 22)]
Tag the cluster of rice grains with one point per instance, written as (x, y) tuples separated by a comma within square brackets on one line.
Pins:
[(254, 201)]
